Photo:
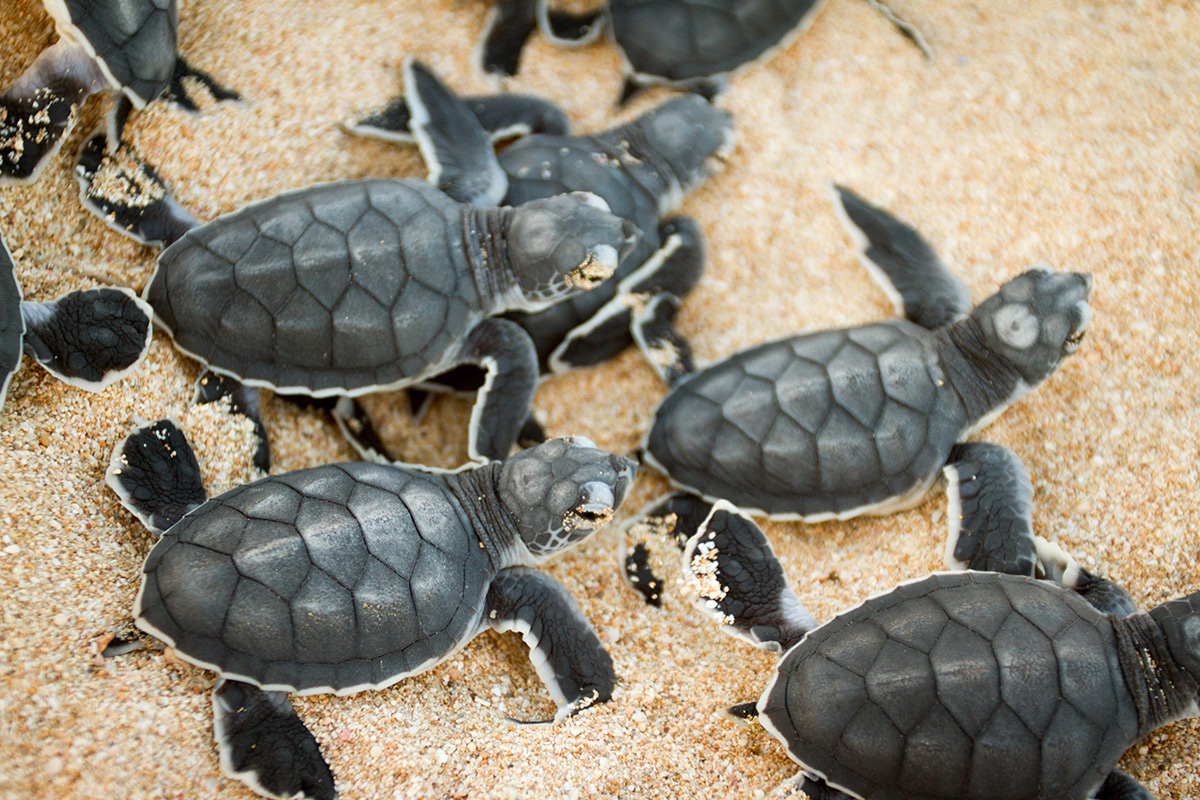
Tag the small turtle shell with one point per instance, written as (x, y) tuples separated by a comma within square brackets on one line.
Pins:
[(827, 424), (339, 288), (965, 685), (683, 40), (337, 578), (135, 40)]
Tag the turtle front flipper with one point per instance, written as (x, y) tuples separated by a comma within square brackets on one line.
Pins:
[(565, 651), (675, 517), (155, 474), (88, 338), (263, 744), (39, 109), (907, 29), (506, 352), (642, 308), (729, 567), (509, 26), (129, 194), (990, 511), (456, 148), (902, 262), (566, 29), (179, 91), (1056, 564), (12, 323), (243, 401), (1122, 786), (503, 116)]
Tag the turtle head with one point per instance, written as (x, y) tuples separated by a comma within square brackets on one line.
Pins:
[(1036, 320), (686, 135), (561, 491), (1179, 621), (563, 245)]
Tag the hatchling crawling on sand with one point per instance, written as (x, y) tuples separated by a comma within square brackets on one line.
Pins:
[(126, 46), (836, 423), (347, 577), (340, 289), (642, 170), (689, 44), (88, 338), (965, 685)]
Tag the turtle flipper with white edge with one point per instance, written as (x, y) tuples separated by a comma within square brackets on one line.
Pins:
[(125, 46), (88, 338), (686, 44), (963, 684), (642, 170), (251, 583), (341, 289), (835, 423)]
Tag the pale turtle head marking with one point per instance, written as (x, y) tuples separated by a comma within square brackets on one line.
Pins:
[(546, 245), (1036, 319), (561, 491)]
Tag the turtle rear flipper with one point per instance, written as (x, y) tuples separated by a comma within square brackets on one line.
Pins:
[(510, 24), (990, 510), (1056, 564), (454, 145), (88, 338), (129, 194), (902, 262), (565, 651), (39, 109), (566, 29), (1122, 786), (263, 744), (243, 400), (180, 94), (155, 474), (730, 568)]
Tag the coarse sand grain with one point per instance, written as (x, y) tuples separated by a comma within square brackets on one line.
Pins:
[(1064, 132)]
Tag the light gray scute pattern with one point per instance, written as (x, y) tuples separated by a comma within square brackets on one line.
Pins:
[(821, 423), (341, 287), (134, 38), (320, 578), (941, 687)]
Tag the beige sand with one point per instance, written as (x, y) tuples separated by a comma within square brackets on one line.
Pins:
[(1046, 131)]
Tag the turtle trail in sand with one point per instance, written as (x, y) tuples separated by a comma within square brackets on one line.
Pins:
[(125, 46), (353, 576), (687, 44), (88, 338), (642, 170), (969, 684), (340, 289)]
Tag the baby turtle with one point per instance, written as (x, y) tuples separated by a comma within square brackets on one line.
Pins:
[(836, 423), (88, 338), (969, 684), (642, 170), (341, 289), (348, 577), (126, 46), (688, 44)]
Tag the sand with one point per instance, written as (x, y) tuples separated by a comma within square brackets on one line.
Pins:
[(1048, 132)]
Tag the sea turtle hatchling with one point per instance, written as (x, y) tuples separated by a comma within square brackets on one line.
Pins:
[(689, 44), (835, 423), (345, 288), (965, 685), (353, 576), (88, 338), (642, 170), (127, 46)]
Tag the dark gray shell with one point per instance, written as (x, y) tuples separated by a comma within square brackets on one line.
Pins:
[(135, 39), (256, 293), (12, 324), (818, 425), (939, 688), (337, 578), (682, 40)]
